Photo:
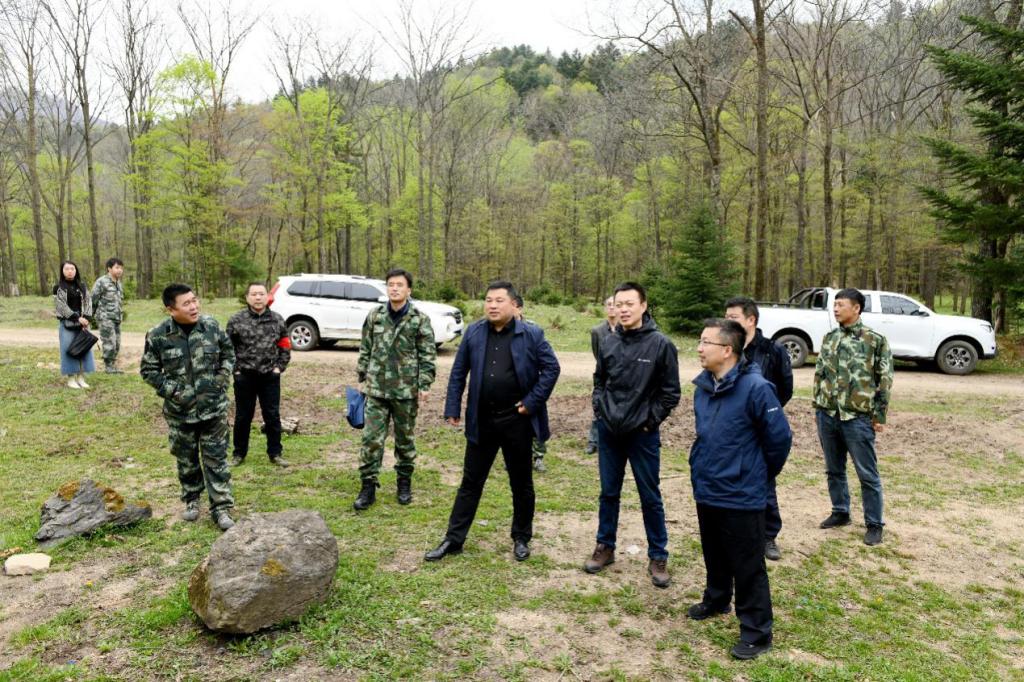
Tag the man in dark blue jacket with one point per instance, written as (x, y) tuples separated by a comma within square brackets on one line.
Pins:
[(775, 366), (512, 371), (743, 440), (636, 386)]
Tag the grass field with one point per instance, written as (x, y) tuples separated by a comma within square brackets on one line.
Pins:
[(942, 599)]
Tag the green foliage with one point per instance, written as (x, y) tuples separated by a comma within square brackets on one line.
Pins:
[(699, 276), (985, 206)]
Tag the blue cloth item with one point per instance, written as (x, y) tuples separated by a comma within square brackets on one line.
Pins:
[(857, 437), (356, 407), (743, 439), (536, 368), (68, 364), (642, 449)]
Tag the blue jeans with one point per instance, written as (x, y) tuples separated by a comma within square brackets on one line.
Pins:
[(643, 451), (856, 437)]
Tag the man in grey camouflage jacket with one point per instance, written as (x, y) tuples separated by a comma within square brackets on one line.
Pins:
[(396, 366), (188, 360), (108, 307), (262, 353)]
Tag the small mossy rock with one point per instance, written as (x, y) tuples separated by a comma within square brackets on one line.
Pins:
[(267, 569), (80, 507)]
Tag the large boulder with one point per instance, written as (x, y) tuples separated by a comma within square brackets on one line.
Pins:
[(268, 569), (80, 507)]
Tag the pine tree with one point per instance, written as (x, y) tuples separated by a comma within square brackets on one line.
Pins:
[(699, 278), (985, 209)]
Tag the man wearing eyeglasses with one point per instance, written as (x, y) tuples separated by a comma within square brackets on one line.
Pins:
[(636, 386), (743, 440)]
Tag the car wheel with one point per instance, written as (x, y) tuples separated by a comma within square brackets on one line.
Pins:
[(304, 335), (957, 357), (796, 347)]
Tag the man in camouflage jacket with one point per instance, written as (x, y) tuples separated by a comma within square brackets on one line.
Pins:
[(852, 383), (108, 302), (188, 360), (396, 367), (262, 353)]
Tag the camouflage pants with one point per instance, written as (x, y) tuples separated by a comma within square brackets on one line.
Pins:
[(540, 448), (110, 337), (379, 412), (201, 451)]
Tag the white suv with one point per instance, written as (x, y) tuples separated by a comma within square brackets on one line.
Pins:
[(322, 309)]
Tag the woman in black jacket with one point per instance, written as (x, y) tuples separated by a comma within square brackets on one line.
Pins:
[(73, 308)]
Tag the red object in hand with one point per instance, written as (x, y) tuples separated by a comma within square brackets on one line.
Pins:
[(285, 343)]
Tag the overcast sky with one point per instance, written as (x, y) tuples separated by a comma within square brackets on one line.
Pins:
[(543, 24)]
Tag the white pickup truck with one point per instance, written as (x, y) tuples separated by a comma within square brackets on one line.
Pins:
[(914, 332)]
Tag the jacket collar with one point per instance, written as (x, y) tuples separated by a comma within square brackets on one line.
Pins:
[(706, 380), (855, 329), (175, 328)]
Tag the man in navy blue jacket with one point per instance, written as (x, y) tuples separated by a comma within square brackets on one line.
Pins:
[(512, 371), (743, 440), (773, 359)]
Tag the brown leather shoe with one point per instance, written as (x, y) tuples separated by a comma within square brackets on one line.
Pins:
[(658, 568), (603, 556)]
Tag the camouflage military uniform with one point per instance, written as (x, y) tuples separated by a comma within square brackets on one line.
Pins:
[(191, 374), (396, 362), (852, 384), (108, 302), (262, 353)]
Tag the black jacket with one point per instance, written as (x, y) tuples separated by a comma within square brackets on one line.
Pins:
[(636, 383), (773, 360)]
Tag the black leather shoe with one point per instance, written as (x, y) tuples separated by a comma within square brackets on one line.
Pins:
[(367, 496), (520, 550), (745, 651), (771, 550), (404, 490), (873, 536), (702, 611), (444, 549), (836, 519)]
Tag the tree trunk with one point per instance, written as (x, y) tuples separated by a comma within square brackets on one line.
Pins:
[(762, 148)]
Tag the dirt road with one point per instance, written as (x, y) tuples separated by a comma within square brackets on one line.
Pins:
[(910, 381)]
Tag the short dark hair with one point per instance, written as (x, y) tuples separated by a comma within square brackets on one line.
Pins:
[(518, 300), (729, 332), (111, 262), (172, 292), (254, 283), (852, 295), (632, 286), (399, 272), (747, 304), (503, 284)]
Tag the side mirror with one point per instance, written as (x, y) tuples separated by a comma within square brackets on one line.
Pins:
[(382, 299)]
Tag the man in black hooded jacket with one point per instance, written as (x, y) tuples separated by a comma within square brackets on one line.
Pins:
[(636, 386)]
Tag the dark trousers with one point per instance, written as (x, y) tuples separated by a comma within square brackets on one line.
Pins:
[(732, 541), (772, 517), (250, 387), (855, 437), (642, 449), (514, 438)]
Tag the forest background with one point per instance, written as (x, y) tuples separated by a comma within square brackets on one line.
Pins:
[(757, 146)]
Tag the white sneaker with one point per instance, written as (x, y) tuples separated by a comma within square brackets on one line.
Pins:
[(73, 382), (81, 381)]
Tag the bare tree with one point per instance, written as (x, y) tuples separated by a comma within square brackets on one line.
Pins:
[(134, 61), (435, 55), (74, 23), (701, 52)]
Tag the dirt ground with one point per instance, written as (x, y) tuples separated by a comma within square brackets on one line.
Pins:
[(953, 543)]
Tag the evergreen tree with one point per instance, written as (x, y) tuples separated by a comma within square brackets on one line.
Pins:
[(985, 209), (698, 278)]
